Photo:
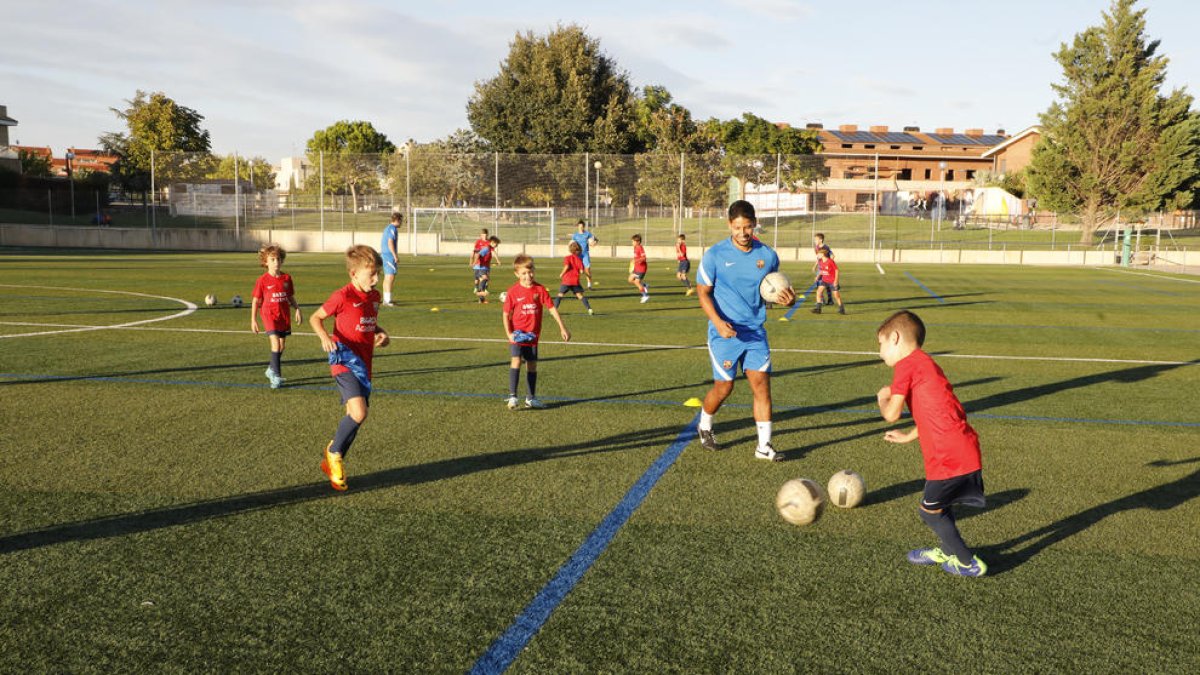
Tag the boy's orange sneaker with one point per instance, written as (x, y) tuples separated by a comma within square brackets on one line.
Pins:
[(332, 467)]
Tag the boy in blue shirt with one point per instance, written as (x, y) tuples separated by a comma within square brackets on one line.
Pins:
[(585, 241), (389, 255), (727, 285)]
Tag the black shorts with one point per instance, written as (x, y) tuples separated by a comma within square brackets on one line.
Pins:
[(349, 387), (564, 289), (966, 489), (279, 333), (832, 287), (685, 266), (526, 352)]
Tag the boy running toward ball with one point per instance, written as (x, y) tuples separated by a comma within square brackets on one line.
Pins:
[(522, 316), (638, 267), (572, 268), (274, 298), (685, 265), (482, 260), (356, 334), (949, 446), (828, 278)]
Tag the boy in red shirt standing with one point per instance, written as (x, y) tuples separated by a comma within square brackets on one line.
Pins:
[(523, 304), (572, 268), (274, 296), (685, 265), (949, 446), (827, 281), (638, 267), (356, 334)]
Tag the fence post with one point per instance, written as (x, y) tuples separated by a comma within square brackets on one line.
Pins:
[(321, 196), (237, 224), (50, 205), (680, 230), (153, 198), (778, 189)]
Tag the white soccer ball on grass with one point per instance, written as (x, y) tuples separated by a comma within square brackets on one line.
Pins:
[(800, 501), (210, 300), (847, 489)]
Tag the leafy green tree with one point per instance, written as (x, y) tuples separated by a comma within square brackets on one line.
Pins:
[(157, 126), (751, 145), (1112, 141), (354, 157), (257, 170), (555, 94), (34, 164)]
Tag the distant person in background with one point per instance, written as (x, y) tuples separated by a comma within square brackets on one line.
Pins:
[(482, 262), (638, 268), (685, 265), (569, 277), (388, 251)]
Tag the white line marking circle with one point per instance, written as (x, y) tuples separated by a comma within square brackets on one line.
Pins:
[(189, 308)]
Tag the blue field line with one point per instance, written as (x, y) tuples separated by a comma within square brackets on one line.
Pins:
[(925, 288), (500, 655), (572, 400), (799, 302)]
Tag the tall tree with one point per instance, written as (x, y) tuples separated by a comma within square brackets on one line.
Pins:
[(353, 157), (752, 145), (555, 94), (257, 170), (34, 164), (1112, 141), (157, 126)]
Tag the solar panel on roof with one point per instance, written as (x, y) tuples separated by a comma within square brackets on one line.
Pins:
[(955, 139), (992, 140), (857, 136), (898, 137)]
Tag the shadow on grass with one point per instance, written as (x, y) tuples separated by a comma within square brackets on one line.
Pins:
[(183, 514), (1015, 552)]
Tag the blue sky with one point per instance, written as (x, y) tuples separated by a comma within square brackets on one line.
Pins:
[(266, 74)]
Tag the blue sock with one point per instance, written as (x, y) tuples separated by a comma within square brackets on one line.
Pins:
[(557, 302), (944, 527), (514, 379), (346, 431), (276, 360), (586, 304), (531, 377)]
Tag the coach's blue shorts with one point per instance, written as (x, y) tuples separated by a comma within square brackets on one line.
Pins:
[(389, 265), (587, 260), (748, 350)]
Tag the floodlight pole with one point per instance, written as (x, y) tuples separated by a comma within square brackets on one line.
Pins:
[(71, 180), (596, 220)]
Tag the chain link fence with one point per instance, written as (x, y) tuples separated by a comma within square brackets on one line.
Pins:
[(857, 201)]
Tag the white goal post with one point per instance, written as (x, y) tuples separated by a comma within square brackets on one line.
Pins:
[(527, 225)]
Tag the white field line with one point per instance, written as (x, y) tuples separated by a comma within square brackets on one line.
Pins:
[(188, 309), (1155, 276), (880, 268), (631, 345)]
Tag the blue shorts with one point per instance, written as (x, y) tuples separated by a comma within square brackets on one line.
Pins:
[(481, 272), (389, 265), (526, 352), (832, 287), (587, 260), (748, 349), (966, 489), (563, 289), (349, 387), (685, 266)]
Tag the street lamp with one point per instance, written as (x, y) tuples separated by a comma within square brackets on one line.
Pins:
[(596, 220), (71, 180)]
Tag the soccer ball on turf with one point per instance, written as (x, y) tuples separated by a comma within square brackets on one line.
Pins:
[(800, 501), (772, 285), (503, 296), (210, 300), (847, 489), (236, 301)]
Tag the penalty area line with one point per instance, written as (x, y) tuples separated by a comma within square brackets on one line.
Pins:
[(500, 655)]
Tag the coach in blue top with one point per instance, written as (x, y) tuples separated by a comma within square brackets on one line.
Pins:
[(727, 285), (585, 241)]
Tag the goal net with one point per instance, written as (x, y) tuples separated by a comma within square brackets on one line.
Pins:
[(529, 226)]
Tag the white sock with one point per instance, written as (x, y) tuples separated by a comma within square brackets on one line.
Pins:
[(387, 297), (705, 421), (764, 433)]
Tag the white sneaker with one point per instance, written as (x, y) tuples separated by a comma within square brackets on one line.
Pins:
[(534, 403), (511, 403), (645, 298), (590, 311), (767, 452)]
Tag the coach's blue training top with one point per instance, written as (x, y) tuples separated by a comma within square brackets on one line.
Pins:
[(735, 275), (583, 239), (389, 232)]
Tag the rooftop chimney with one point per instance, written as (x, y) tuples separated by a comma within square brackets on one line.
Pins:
[(974, 133), (1000, 132), (814, 125), (917, 129), (879, 130), (848, 128), (944, 131)]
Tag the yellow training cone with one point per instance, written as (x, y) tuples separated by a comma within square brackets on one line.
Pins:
[(693, 403), (434, 309), (784, 318)]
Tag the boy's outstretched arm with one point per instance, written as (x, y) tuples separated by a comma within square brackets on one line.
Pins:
[(898, 436), (890, 405)]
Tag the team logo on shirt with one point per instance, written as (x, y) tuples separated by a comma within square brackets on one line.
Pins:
[(761, 263), (727, 364)]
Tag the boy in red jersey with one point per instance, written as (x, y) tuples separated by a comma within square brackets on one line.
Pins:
[(572, 268), (356, 334), (949, 446), (638, 267), (685, 265), (522, 316), (828, 277), (274, 296)]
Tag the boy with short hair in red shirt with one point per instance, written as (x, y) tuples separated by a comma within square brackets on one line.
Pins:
[(273, 296), (523, 304), (949, 446), (572, 268), (356, 334), (828, 280), (638, 267)]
